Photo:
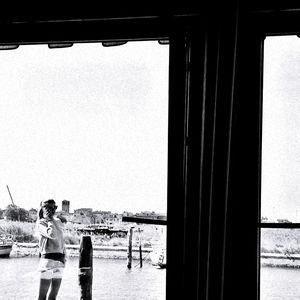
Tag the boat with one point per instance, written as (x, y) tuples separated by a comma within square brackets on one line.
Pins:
[(158, 257), (6, 244), (103, 230)]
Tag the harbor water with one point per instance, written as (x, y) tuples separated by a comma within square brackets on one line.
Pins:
[(111, 280), (279, 283)]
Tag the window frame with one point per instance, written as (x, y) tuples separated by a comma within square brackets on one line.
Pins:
[(190, 150), (24, 32), (263, 22)]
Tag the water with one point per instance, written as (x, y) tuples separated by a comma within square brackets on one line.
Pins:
[(279, 283), (111, 280)]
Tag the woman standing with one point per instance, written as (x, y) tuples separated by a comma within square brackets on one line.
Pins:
[(52, 250)]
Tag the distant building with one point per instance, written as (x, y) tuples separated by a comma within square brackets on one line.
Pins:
[(111, 219), (83, 216), (65, 206), (146, 214), (127, 214), (84, 211), (79, 218), (97, 218), (150, 214)]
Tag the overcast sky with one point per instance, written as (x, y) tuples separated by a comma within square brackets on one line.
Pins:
[(87, 124), (281, 129)]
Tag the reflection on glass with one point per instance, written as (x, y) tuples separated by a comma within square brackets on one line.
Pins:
[(280, 190)]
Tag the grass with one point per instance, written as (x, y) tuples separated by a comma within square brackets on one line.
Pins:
[(286, 241), (20, 231), (25, 232)]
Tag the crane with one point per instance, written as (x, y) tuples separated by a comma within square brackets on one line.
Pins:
[(10, 196)]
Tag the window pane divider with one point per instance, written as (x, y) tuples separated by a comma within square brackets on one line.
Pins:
[(279, 225)]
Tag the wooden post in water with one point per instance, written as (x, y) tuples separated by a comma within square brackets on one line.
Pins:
[(141, 256), (140, 247), (129, 252), (85, 274)]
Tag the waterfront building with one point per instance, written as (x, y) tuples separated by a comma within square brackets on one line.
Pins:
[(112, 218), (97, 218), (127, 214), (151, 215), (84, 211), (65, 206), (82, 216)]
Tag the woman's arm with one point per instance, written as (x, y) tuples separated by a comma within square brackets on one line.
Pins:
[(47, 228), (61, 218)]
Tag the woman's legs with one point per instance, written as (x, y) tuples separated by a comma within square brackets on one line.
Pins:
[(55, 285), (43, 289), (50, 283)]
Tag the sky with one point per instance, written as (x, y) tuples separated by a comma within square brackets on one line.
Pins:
[(88, 124), (280, 194)]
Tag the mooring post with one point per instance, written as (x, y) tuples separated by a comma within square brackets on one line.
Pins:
[(141, 256), (140, 247), (85, 274), (129, 252)]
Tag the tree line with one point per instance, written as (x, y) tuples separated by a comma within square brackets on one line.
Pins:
[(14, 213)]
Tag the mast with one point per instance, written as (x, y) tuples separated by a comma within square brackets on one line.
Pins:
[(10, 195)]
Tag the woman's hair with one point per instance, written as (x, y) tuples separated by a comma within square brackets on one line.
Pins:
[(43, 203)]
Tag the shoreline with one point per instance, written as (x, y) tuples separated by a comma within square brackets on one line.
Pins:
[(280, 260), (274, 260), (108, 252)]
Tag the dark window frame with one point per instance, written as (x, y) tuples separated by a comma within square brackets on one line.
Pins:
[(30, 32), (192, 245), (265, 22)]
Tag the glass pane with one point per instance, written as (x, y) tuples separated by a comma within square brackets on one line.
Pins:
[(280, 264), (280, 189), (88, 127)]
